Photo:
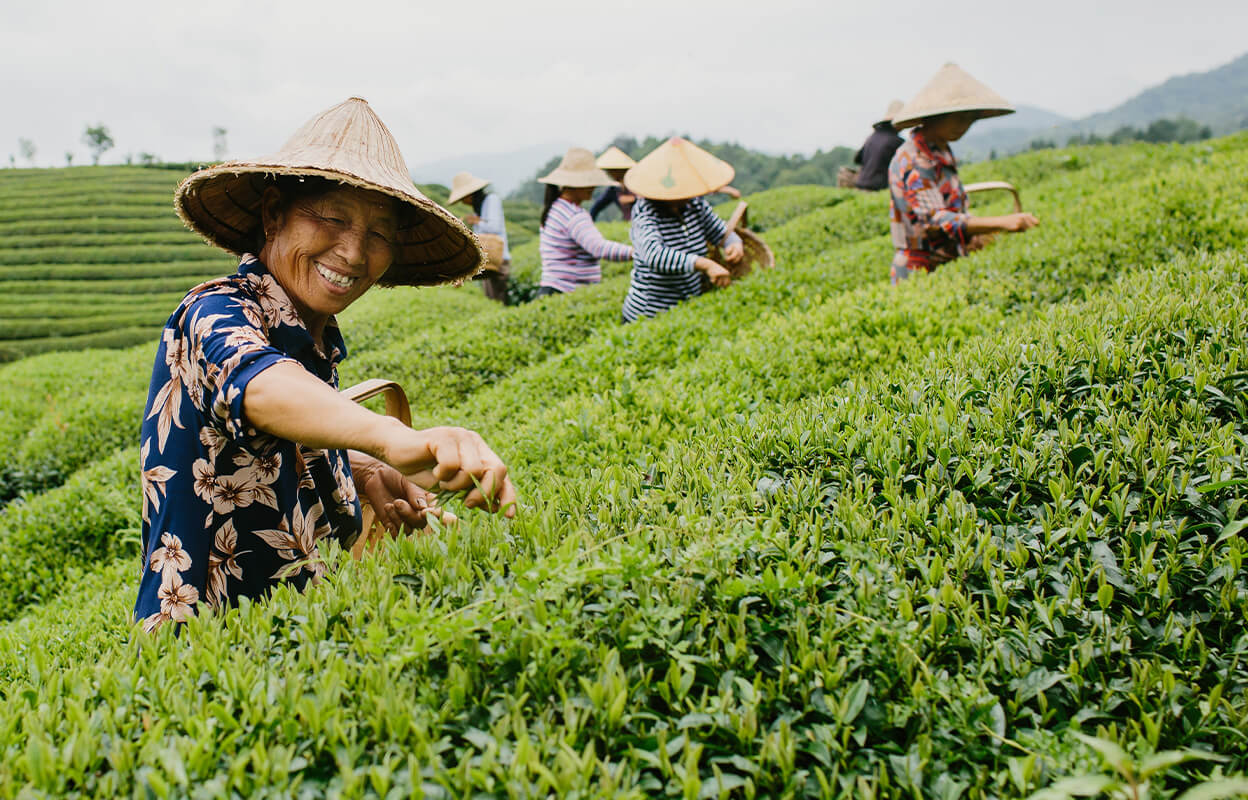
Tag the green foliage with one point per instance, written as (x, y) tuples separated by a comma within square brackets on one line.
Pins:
[(79, 524), (807, 536), (91, 257), (1179, 129), (98, 141)]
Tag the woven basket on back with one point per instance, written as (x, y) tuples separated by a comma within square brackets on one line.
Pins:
[(757, 253)]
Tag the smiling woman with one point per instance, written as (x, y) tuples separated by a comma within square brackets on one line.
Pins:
[(250, 457)]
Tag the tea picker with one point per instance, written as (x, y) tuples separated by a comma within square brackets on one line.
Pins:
[(929, 219)]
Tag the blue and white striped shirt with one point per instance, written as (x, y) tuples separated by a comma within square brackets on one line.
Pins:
[(665, 249)]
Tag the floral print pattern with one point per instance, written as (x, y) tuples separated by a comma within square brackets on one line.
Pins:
[(927, 207), (228, 511)]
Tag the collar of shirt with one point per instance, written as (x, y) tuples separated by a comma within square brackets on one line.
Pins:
[(942, 155), (293, 339)]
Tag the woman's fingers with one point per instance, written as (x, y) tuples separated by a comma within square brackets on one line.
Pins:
[(507, 499), (410, 517), (463, 463)]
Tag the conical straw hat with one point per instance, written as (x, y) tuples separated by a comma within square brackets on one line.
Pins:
[(464, 184), (350, 144), (893, 108), (951, 90), (577, 170), (678, 170), (615, 158)]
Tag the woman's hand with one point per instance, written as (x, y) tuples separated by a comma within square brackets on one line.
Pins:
[(291, 403), (719, 276), (472, 219), (1010, 223), (1017, 223), (452, 459), (734, 252), (399, 505)]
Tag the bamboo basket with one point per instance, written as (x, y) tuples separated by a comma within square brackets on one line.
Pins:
[(989, 186), (981, 240), (757, 253), (373, 532)]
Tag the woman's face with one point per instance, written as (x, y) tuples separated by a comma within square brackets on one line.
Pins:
[(327, 250), (577, 194), (673, 208), (951, 127)]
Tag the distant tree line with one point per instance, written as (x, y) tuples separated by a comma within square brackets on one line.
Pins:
[(99, 140), (1176, 129), (755, 171)]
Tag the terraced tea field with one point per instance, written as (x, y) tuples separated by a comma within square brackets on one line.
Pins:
[(979, 536), (92, 257), (95, 257)]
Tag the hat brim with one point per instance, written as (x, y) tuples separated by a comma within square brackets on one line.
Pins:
[(900, 122), (222, 204), (578, 179), (475, 186), (651, 187)]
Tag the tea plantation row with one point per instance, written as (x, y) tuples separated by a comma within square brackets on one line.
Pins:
[(810, 535), (106, 238)]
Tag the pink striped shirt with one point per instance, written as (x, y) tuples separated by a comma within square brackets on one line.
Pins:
[(571, 247)]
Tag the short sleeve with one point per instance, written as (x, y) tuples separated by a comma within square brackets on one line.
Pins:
[(230, 344)]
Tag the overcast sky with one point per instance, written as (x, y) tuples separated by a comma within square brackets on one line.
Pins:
[(458, 77)]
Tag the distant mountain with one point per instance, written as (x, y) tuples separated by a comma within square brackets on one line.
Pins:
[(505, 170), (1008, 133), (1217, 98)]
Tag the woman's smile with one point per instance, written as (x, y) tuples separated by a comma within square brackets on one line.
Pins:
[(337, 280)]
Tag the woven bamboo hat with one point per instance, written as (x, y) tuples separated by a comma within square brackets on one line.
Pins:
[(351, 145), (615, 158), (953, 89), (891, 113), (678, 170), (577, 170), (464, 184)]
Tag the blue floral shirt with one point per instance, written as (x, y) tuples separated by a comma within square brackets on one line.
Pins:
[(229, 511)]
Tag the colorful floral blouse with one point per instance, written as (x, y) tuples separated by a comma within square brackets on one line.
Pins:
[(228, 511), (928, 205)]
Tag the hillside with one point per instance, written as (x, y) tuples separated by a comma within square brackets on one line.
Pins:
[(808, 536), (1217, 98), (95, 257), (1010, 133)]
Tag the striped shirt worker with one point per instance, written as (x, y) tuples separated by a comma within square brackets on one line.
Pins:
[(571, 246), (665, 249)]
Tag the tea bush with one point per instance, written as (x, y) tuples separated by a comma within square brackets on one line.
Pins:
[(811, 535), (802, 600)]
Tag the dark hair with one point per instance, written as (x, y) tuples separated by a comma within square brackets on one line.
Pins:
[(552, 194), (478, 200)]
